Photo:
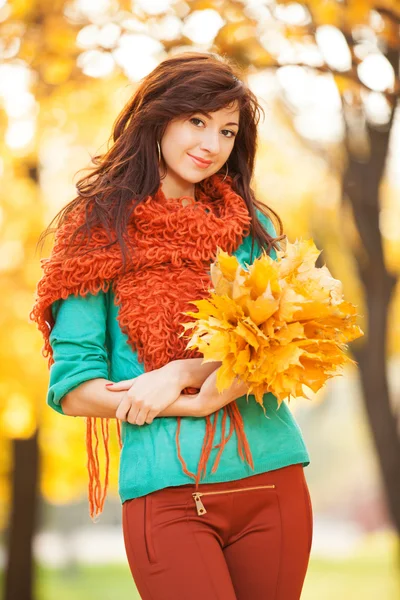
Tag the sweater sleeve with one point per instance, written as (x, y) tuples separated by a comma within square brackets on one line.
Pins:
[(78, 341)]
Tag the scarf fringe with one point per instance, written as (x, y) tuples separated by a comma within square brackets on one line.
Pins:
[(97, 491), (236, 424)]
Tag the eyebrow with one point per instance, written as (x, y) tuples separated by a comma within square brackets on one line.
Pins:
[(210, 117)]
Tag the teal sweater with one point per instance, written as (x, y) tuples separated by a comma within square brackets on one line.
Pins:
[(88, 343)]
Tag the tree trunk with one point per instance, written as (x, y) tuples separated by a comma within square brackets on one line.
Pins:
[(361, 185), (19, 569)]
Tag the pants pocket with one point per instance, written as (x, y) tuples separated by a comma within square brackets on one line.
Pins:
[(148, 527)]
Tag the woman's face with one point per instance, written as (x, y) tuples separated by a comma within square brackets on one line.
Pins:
[(208, 136)]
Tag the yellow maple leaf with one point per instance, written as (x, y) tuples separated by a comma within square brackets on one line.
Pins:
[(276, 325)]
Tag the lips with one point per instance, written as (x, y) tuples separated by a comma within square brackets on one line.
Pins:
[(200, 161)]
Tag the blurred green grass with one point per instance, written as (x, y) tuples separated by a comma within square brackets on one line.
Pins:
[(367, 576), (370, 574), (349, 579)]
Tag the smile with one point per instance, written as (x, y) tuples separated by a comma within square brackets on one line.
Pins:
[(200, 163)]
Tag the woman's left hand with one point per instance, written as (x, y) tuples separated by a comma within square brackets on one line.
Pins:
[(210, 400)]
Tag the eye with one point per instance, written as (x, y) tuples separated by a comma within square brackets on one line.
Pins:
[(196, 119), (229, 131)]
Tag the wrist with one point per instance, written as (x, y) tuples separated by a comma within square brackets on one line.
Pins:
[(192, 372), (180, 371), (210, 400)]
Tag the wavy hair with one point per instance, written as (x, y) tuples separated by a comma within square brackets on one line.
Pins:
[(128, 172)]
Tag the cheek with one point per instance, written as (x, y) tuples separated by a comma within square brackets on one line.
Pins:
[(178, 139), (226, 150)]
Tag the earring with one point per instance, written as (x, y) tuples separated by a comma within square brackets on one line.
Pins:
[(159, 152), (227, 168)]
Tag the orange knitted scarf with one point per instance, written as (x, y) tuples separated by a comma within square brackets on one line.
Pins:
[(174, 241)]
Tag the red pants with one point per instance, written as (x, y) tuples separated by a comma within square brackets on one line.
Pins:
[(248, 539)]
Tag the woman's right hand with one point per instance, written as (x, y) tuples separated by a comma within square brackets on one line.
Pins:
[(147, 394)]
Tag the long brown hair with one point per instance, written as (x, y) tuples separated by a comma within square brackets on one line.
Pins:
[(129, 171)]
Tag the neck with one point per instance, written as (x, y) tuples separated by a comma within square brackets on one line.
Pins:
[(174, 188)]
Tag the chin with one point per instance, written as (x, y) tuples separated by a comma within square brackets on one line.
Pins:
[(192, 177)]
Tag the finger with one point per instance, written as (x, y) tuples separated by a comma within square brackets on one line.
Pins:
[(132, 415), (125, 384), (123, 408), (141, 416), (151, 415)]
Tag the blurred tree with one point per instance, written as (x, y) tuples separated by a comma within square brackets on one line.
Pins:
[(358, 43), (38, 44)]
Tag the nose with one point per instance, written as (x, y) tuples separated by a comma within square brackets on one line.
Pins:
[(210, 142)]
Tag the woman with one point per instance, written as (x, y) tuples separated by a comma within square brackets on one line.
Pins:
[(131, 252)]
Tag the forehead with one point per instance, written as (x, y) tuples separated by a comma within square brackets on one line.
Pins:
[(227, 111), (225, 114)]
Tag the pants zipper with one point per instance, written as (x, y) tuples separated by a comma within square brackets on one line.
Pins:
[(200, 506)]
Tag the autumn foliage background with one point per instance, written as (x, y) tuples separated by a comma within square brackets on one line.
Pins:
[(327, 73)]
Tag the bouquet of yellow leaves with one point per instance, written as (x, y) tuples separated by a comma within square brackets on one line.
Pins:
[(276, 325)]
